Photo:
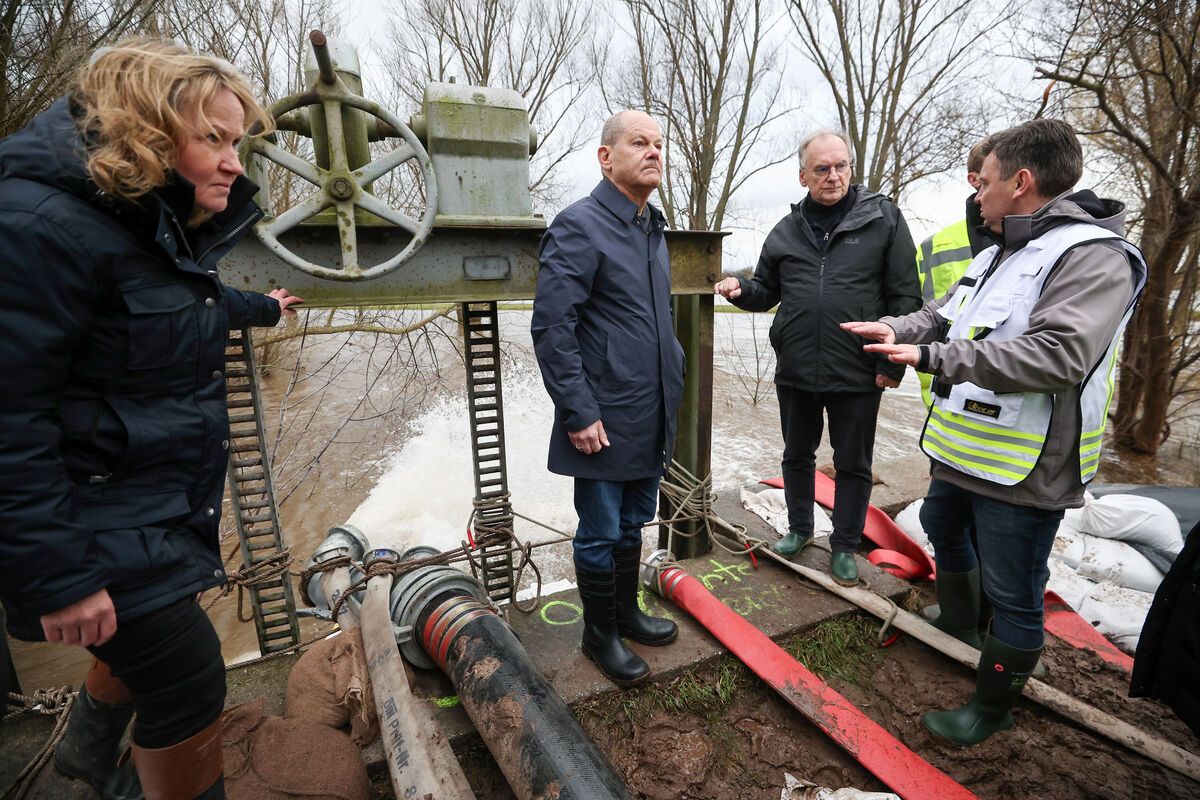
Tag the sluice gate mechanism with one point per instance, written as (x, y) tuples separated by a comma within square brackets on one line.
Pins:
[(455, 225)]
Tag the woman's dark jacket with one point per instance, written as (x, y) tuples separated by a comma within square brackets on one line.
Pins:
[(113, 424), (866, 270)]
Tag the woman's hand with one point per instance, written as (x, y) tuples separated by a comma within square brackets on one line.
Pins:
[(85, 622), (285, 299)]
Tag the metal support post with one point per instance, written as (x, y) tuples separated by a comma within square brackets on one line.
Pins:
[(693, 441)]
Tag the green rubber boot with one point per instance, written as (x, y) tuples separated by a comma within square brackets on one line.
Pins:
[(843, 568), (1003, 671), (791, 544), (958, 605)]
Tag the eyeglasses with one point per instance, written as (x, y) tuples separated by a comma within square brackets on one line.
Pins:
[(823, 172)]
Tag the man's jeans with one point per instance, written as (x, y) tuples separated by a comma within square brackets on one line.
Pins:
[(611, 514), (1014, 546)]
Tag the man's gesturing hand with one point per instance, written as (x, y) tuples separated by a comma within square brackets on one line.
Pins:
[(872, 330)]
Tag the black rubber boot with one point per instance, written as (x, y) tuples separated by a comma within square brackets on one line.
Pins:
[(1003, 672), (631, 621), (958, 605), (601, 640), (91, 746)]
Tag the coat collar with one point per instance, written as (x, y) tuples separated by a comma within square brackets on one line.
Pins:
[(608, 195)]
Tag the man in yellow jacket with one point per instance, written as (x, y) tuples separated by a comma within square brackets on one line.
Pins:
[(943, 258)]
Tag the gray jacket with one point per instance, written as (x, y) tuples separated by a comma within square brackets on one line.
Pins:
[(1071, 324)]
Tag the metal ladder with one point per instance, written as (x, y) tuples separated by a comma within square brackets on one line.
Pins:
[(481, 338), (253, 496)]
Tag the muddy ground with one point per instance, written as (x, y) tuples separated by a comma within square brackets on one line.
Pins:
[(723, 734)]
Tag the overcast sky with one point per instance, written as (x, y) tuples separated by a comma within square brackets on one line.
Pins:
[(767, 196)]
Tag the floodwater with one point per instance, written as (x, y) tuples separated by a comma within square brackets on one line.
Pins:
[(372, 431)]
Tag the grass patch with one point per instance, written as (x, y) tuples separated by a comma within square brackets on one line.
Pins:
[(842, 648)]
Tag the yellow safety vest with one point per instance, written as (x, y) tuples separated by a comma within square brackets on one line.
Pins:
[(999, 437), (941, 260)]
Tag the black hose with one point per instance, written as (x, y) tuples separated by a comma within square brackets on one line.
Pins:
[(536, 740)]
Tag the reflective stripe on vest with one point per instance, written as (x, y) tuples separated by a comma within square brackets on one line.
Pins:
[(942, 259), (1000, 437)]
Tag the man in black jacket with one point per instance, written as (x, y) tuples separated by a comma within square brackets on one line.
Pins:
[(844, 250)]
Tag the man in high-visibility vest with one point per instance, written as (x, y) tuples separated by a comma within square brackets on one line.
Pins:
[(1022, 350), (943, 258)]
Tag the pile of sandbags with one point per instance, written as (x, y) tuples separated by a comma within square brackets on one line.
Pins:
[(1108, 559)]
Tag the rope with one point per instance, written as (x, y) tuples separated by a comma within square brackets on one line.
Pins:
[(43, 701), (751, 544), (269, 569)]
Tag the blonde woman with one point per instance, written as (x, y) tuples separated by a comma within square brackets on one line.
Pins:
[(115, 205)]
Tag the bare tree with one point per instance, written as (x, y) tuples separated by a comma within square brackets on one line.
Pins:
[(541, 48), (44, 44), (1128, 74), (707, 71), (906, 78)]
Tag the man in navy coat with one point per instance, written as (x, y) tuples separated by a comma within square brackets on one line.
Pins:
[(602, 330)]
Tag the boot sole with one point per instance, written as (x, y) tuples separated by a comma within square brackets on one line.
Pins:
[(651, 642), (622, 682), (841, 582)]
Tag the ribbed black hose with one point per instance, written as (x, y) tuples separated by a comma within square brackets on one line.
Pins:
[(535, 739)]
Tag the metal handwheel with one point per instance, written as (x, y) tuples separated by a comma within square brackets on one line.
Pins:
[(341, 187)]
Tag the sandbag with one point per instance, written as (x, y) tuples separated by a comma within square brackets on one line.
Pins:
[(271, 758), (1069, 547), (909, 521), (1068, 584), (1117, 612), (1143, 522), (1118, 563), (772, 507), (330, 685)]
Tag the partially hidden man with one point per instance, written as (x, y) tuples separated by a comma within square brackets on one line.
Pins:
[(602, 331), (1022, 350)]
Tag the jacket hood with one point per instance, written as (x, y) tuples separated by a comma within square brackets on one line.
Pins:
[(49, 150), (1082, 206)]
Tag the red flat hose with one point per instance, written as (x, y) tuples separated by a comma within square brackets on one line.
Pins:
[(1063, 622), (906, 773), (878, 527)]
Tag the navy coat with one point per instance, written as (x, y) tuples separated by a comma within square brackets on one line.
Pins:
[(603, 334), (113, 424)]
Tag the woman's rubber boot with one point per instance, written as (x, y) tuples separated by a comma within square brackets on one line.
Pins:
[(190, 770), (791, 543), (91, 746), (601, 640), (958, 605), (1003, 672), (631, 621)]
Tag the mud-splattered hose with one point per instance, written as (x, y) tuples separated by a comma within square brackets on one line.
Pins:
[(905, 772), (535, 739)]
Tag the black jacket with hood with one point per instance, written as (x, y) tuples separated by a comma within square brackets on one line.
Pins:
[(113, 423), (865, 271)]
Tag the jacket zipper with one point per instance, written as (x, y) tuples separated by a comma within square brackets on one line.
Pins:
[(254, 217)]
